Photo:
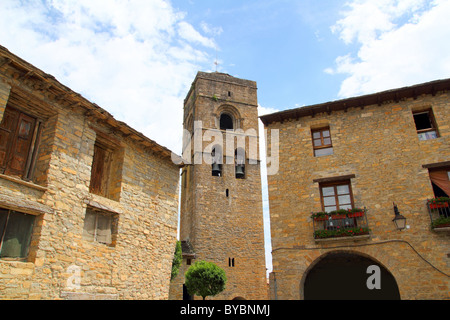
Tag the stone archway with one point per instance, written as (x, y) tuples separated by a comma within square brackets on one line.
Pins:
[(344, 276)]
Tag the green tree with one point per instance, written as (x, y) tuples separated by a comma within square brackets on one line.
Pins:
[(205, 279), (176, 262)]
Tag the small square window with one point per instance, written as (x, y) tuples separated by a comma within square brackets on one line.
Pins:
[(425, 125), (322, 142), (100, 227)]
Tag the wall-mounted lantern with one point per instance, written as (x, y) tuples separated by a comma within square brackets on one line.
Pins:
[(399, 220)]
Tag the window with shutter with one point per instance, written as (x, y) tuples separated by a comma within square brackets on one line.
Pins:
[(18, 143), (100, 170), (106, 170)]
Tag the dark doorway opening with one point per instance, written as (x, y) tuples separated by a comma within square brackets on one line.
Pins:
[(186, 295), (344, 276)]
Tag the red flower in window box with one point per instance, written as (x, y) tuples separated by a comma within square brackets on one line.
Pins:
[(441, 202), (356, 214), (338, 216), (438, 205)]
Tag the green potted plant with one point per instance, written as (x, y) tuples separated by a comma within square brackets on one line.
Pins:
[(339, 214), (320, 216), (356, 231), (442, 222)]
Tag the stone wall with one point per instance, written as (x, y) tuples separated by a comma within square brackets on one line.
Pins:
[(62, 264), (377, 146)]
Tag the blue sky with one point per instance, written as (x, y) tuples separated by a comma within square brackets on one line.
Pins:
[(138, 58), (283, 45)]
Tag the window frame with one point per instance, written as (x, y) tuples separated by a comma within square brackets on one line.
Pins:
[(322, 145), (32, 145), (106, 170), (336, 184), (101, 170), (4, 230), (432, 121), (114, 218)]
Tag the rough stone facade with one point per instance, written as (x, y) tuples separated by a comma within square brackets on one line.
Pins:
[(375, 147), (139, 194), (221, 216)]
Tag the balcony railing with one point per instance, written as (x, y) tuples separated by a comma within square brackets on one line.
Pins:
[(439, 210), (340, 224)]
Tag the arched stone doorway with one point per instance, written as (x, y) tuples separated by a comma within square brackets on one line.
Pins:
[(344, 276)]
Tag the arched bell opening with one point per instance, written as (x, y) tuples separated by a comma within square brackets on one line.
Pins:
[(226, 122)]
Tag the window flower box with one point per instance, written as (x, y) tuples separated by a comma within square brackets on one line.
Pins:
[(357, 231), (338, 214), (442, 222), (356, 214), (340, 225), (437, 203)]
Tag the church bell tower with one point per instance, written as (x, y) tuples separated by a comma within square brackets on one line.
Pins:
[(221, 213)]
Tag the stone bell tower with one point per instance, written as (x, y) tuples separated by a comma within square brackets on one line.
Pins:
[(221, 201)]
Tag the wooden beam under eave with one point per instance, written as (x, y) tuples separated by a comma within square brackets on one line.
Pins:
[(433, 91), (5, 62)]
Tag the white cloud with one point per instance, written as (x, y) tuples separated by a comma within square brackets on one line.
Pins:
[(401, 42), (187, 32), (135, 59), (208, 29), (367, 19)]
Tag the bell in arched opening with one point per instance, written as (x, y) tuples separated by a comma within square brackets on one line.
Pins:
[(216, 166), (240, 163)]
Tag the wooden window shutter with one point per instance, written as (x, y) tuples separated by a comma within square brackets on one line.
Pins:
[(21, 145), (8, 128), (17, 136), (100, 170)]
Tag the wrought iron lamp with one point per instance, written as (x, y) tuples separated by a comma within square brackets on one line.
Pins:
[(399, 220)]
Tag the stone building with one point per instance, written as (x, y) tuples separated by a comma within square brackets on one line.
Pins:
[(347, 169), (221, 218), (88, 205)]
